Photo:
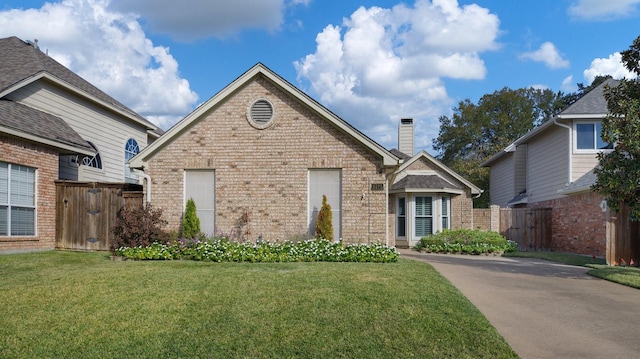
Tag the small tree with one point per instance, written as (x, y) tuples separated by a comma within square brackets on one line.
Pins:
[(618, 171), (324, 221), (191, 222)]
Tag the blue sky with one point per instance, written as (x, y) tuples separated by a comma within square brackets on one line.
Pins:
[(370, 62)]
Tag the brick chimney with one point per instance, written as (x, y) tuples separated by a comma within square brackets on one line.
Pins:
[(405, 136)]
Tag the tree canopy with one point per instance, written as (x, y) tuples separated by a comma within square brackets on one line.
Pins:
[(618, 171), (476, 132)]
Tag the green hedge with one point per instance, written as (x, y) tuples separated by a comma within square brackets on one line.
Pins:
[(467, 241), (222, 250)]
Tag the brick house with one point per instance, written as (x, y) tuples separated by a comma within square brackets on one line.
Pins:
[(54, 125), (258, 157), (552, 167)]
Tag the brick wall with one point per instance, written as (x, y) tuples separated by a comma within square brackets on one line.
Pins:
[(578, 224), (45, 160), (265, 172)]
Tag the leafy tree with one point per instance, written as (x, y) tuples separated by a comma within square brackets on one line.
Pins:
[(324, 222), (190, 222), (476, 132), (618, 171)]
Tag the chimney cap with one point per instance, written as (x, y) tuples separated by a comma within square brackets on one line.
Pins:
[(406, 121)]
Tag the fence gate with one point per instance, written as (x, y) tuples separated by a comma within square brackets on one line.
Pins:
[(86, 212), (623, 238), (530, 228)]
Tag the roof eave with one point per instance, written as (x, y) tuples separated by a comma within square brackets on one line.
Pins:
[(65, 147)]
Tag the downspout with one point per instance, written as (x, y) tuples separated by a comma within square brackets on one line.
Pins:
[(555, 121), (147, 178)]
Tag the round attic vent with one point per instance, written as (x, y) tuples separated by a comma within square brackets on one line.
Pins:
[(260, 114)]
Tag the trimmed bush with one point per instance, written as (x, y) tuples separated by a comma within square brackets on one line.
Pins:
[(191, 222), (324, 222), (467, 241), (138, 226)]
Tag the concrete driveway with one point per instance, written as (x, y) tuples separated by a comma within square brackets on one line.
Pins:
[(545, 309)]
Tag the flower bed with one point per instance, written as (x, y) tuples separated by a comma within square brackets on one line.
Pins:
[(222, 250)]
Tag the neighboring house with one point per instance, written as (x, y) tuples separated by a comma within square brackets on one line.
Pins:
[(258, 157), (427, 196), (54, 125), (552, 167)]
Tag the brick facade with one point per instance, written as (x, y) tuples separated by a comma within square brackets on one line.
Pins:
[(578, 224), (45, 161), (264, 172)]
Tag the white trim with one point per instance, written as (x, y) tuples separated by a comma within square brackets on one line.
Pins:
[(33, 138)]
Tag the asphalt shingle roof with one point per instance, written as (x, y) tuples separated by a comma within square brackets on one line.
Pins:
[(20, 60), (29, 120), (423, 181), (593, 102)]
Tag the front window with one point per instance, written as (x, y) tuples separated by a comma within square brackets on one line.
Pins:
[(423, 216), (402, 217), (446, 212), (17, 200), (589, 137)]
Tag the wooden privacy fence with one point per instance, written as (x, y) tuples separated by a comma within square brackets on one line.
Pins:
[(86, 212), (623, 236), (530, 228)]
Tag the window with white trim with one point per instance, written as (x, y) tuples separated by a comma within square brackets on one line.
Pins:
[(92, 161), (327, 182), (423, 216), (17, 200), (201, 186), (445, 213), (401, 227), (130, 150), (588, 137)]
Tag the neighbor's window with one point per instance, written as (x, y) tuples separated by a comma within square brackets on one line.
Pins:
[(589, 137), (130, 149), (92, 161), (17, 200)]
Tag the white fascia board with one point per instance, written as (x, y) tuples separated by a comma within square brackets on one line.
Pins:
[(47, 142)]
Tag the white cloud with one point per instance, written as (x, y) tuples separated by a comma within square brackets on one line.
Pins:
[(610, 66), (603, 10), (196, 19), (547, 54), (111, 51), (568, 85), (385, 64)]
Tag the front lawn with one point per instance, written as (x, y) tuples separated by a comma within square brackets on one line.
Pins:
[(68, 304)]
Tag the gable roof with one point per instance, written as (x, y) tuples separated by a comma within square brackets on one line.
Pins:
[(426, 181), (30, 124), (23, 63), (591, 105), (261, 70)]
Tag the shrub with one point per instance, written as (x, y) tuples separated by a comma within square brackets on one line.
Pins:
[(324, 222), (138, 226), (222, 250), (469, 241), (191, 222)]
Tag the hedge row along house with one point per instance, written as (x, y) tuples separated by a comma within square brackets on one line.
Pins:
[(55, 126), (257, 158)]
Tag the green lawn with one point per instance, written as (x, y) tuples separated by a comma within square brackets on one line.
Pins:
[(66, 304), (629, 276)]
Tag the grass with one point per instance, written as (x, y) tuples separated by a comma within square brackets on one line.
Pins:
[(629, 276), (67, 304)]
